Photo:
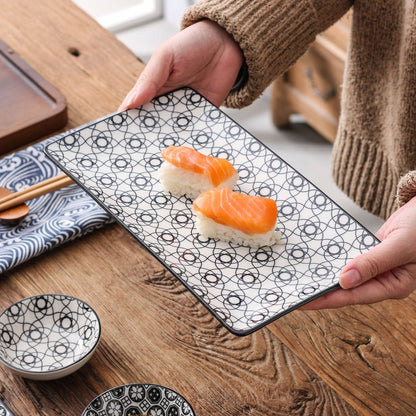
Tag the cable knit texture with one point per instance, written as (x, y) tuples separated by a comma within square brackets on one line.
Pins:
[(270, 35), (407, 187), (374, 157)]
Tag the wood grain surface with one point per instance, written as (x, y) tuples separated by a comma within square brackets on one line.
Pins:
[(154, 330), (354, 361), (366, 353)]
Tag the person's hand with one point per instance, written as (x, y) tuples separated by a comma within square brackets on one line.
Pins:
[(387, 271), (203, 56)]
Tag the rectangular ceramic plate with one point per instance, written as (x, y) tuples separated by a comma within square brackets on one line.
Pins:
[(116, 159)]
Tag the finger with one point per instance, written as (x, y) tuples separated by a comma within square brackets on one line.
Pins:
[(142, 92), (326, 301), (389, 285), (407, 212), (363, 294), (335, 299), (390, 253), (150, 82)]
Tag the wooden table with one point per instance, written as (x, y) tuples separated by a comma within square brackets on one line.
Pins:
[(353, 361)]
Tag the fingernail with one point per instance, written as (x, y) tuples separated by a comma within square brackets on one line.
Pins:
[(129, 99), (349, 279)]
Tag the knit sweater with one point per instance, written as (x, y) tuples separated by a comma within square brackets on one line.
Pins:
[(374, 155)]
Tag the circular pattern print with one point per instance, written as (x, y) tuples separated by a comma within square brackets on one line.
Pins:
[(48, 336), (244, 288), (139, 399)]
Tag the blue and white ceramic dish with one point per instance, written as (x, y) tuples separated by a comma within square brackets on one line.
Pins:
[(139, 399), (4, 410), (48, 336), (115, 159)]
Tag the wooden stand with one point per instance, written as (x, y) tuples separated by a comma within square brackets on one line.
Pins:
[(312, 87)]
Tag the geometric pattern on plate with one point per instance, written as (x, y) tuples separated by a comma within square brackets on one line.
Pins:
[(4, 410), (47, 333), (138, 400), (116, 159)]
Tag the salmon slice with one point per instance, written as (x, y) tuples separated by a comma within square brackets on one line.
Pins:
[(216, 169), (247, 213)]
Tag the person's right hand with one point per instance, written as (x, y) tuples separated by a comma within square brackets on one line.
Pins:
[(386, 271), (202, 56)]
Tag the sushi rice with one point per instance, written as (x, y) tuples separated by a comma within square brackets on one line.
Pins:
[(179, 181)]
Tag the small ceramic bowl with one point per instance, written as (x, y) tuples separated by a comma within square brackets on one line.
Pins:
[(48, 336), (139, 400)]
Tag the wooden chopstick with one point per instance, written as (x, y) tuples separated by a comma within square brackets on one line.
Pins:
[(45, 187)]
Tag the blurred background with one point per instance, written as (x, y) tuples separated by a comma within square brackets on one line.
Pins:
[(143, 24)]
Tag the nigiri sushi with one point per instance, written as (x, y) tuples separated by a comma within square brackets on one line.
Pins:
[(186, 171), (240, 218)]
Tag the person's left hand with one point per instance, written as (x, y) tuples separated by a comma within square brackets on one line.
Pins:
[(387, 271), (203, 56)]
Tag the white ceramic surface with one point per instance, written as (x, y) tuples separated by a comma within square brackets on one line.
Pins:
[(4, 410), (115, 159), (48, 336)]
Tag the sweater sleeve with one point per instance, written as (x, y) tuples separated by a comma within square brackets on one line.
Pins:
[(406, 189), (272, 35)]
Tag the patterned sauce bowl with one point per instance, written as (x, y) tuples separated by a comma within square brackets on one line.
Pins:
[(139, 399), (48, 336)]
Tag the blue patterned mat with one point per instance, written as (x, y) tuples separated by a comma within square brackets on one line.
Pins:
[(54, 219)]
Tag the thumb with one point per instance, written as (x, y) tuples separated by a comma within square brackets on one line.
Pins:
[(390, 253), (142, 92), (150, 82)]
